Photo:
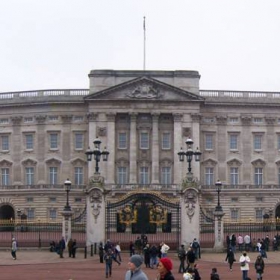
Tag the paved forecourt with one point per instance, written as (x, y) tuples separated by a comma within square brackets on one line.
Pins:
[(41, 265)]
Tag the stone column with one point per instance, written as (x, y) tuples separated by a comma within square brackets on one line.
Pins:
[(196, 144), (178, 172), (219, 231), (133, 150), (110, 171), (92, 118), (66, 225), (189, 216), (155, 150), (95, 203)]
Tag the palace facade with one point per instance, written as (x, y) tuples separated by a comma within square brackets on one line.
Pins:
[(143, 118)]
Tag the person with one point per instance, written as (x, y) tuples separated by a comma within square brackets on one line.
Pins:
[(190, 258), (214, 274), (70, 247), (188, 275), (164, 250), (182, 258), (259, 267), (247, 242), (131, 249), (14, 249), (134, 269), (52, 246), (153, 256), (74, 248), (108, 258), (165, 266), (146, 251), (196, 275), (61, 246), (240, 242), (244, 261), (233, 243), (196, 248), (230, 258), (118, 251), (138, 245), (101, 252)]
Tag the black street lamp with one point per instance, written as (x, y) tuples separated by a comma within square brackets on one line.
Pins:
[(97, 154), (218, 189), (189, 153), (67, 185)]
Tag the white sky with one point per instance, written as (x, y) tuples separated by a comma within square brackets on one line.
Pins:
[(53, 44)]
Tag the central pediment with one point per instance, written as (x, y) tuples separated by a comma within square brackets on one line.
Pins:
[(144, 88)]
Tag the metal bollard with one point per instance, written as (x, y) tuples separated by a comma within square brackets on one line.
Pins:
[(85, 252), (91, 250), (95, 248)]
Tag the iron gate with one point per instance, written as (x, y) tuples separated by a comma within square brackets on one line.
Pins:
[(139, 214)]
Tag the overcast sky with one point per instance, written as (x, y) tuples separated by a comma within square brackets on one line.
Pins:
[(53, 44)]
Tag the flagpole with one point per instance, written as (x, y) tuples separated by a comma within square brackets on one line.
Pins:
[(144, 29)]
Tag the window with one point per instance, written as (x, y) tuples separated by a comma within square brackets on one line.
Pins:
[(209, 141), (166, 141), (53, 214), (166, 175), (30, 214), (144, 140), (53, 118), (29, 175), (258, 120), (258, 176), (79, 141), (122, 140), (144, 175), (28, 119), (122, 175), (53, 175), (209, 176), (52, 199), (234, 176), (4, 121), (234, 214), (257, 142), (233, 120), (5, 143), (233, 141), (5, 174), (29, 199), (78, 118), (53, 140), (79, 175), (29, 141), (234, 199), (259, 214)]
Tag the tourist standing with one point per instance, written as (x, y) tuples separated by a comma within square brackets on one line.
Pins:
[(74, 248), (244, 261), (118, 252), (164, 269), (259, 267), (14, 249), (134, 269), (182, 258), (70, 247), (61, 246), (164, 250)]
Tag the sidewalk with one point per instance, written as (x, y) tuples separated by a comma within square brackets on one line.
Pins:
[(25, 257)]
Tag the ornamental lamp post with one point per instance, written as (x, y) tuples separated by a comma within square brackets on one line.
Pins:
[(218, 185), (97, 153), (189, 153), (67, 185)]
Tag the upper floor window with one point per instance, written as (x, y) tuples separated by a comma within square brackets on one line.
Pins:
[(79, 141), (234, 176), (29, 141), (166, 175), (144, 175), (53, 140), (5, 176), (144, 140), (257, 142), (234, 214), (122, 140), (258, 176), (53, 199), (28, 119), (53, 118), (29, 175), (78, 118), (30, 214), (5, 145), (53, 175), (79, 175), (53, 214), (122, 175), (166, 141), (4, 121), (29, 199), (258, 120), (233, 142), (209, 176), (208, 141), (259, 214)]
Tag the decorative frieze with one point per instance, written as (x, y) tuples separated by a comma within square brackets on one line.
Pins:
[(40, 119)]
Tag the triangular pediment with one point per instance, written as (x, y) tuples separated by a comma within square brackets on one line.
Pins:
[(144, 88)]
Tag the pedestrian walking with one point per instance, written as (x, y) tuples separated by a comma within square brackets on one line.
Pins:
[(134, 269), (108, 258), (230, 258), (244, 261), (164, 269), (196, 275), (190, 256), (118, 252), (259, 267), (131, 249), (70, 247), (153, 256), (74, 248), (14, 249), (182, 258)]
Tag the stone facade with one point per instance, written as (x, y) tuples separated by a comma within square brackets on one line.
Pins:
[(143, 118)]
